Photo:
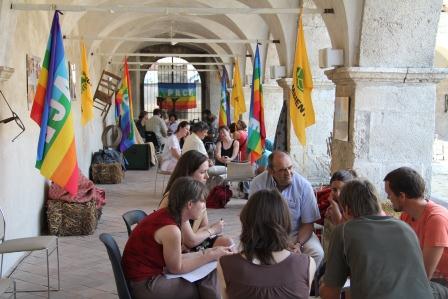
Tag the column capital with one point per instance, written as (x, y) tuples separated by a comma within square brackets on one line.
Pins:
[(284, 82), (5, 73), (350, 75)]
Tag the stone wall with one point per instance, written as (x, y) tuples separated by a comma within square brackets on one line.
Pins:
[(441, 120)]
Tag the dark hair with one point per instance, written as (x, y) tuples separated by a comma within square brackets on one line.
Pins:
[(199, 127), (343, 175), (142, 115), (186, 166), (184, 189), (207, 112), (181, 125), (241, 125), (266, 225), (233, 128), (156, 111), (406, 180), (223, 128), (361, 198), (173, 115)]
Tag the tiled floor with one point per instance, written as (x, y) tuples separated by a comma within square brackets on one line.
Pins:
[(85, 268)]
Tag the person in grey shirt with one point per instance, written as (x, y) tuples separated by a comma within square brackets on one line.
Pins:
[(299, 196), (157, 125), (381, 254)]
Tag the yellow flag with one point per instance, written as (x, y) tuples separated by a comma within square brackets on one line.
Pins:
[(300, 104), (237, 98), (86, 93)]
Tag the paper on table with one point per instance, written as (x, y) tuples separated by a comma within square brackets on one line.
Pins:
[(196, 274)]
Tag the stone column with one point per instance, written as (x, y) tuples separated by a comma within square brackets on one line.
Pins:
[(391, 119), (312, 161)]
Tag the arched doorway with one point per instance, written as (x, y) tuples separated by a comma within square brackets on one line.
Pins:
[(173, 84)]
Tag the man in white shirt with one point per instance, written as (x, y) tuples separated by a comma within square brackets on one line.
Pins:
[(194, 140)]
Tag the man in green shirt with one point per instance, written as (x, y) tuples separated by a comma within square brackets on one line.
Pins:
[(381, 254)]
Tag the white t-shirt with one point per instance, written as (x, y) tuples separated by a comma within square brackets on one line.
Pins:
[(168, 160), (193, 142)]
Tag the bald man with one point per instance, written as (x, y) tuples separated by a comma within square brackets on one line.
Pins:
[(299, 195)]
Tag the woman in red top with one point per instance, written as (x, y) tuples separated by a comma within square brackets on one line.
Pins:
[(239, 132), (154, 248)]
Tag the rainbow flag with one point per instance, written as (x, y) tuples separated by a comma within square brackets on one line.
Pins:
[(300, 103), (183, 93), (224, 107), (257, 132), (123, 106), (56, 149)]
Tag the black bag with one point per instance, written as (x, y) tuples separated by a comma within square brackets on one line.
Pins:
[(138, 157)]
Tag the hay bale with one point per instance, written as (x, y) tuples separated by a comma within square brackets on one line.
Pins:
[(72, 219), (110, 173)]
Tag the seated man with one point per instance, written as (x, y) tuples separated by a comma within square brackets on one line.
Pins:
[(405, 189), (380, 253), (194, 141), (157, 125), (299, 195)]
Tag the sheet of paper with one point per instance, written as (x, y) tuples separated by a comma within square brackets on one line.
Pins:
[(196, 274)]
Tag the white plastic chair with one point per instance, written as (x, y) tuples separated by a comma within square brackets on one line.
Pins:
[(239, 172), (47, 243), (159, 171)]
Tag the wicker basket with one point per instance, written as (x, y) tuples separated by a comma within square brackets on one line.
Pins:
[(72, 219), (103, 173)]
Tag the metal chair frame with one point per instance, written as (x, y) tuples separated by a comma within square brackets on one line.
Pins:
[(48, 253), (161, 172)]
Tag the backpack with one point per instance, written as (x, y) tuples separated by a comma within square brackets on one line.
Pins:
[(219, 197)]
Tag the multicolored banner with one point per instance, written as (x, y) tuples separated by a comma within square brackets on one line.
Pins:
[(123, 110), (177, 96), (300, 103), (56, 149), (237, 98), (257, 131), (224, 107), (86, 92)]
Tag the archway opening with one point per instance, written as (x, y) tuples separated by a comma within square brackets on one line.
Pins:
[(173, 84)]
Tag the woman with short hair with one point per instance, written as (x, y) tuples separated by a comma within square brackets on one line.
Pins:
[(265, 268), (154, 248)]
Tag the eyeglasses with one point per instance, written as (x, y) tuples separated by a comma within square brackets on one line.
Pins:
[(14, 117), (283, 170)]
